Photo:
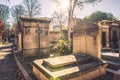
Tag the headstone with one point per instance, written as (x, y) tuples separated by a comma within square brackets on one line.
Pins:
[(70, 67), (87, 39), (86, 64)]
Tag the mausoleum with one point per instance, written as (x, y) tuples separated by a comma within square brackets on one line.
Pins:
[(33, 35), (84, 64)]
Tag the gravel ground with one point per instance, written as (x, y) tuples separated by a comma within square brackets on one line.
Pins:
[(8, 66)]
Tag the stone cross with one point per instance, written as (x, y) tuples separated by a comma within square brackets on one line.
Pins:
[(39, 31)]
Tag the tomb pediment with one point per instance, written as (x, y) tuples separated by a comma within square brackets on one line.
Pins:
[(85, 26)]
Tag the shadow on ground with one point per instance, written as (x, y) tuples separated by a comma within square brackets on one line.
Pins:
[(8, 67)]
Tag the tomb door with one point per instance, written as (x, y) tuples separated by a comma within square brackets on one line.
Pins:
[(115, 39), (103, 39)]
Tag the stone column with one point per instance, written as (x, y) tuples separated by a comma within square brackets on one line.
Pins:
[(107, 38), (99, 42), (111, 37)]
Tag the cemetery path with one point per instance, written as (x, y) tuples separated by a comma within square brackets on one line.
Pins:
[(8, 66)]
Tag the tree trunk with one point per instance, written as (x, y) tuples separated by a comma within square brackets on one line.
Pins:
[(69, 19)]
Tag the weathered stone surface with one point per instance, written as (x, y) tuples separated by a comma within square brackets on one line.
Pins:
[(62, 66), (84, 65), (66, 60), (87, 39), (29, 38)]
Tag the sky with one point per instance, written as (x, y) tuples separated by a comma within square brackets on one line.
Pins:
[(48, 7)]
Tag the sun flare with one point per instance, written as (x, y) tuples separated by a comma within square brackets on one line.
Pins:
[(64, 4)]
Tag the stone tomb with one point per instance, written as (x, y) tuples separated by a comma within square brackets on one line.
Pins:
[(86, 64), (28, 37), (70, 67)]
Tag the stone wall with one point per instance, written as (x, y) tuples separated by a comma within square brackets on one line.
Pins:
[(111, 30), (86, 44), (31, 37), (105, 42), (87, 40), (30, 41), (114, 36), (54, 36), (19, 46)]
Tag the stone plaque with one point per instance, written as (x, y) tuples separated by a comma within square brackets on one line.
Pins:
[(67, 67)]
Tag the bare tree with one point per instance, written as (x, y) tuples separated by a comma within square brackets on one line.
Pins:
[(73, 4), (16, 12), (59, 18), (32, 7), (4, 13)]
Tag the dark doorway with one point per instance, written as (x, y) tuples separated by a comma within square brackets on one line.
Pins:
[(103, 39), (115, 39), (71, 35)]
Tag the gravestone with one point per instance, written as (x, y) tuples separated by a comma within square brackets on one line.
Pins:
[(70, 67), (87, 39), (33, 36), (85, 64)]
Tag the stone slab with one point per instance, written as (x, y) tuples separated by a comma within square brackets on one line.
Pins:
[(62, 71), (65, 60)]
